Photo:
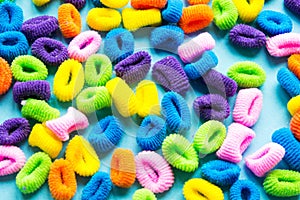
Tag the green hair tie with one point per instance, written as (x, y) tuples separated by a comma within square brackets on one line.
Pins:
[(247, 74), (282, 183), (28, 68), (92, 99), (95, 63), (39, 110), (209, 137), (180, 153), (143, 194), (34, 173), (225, 14)]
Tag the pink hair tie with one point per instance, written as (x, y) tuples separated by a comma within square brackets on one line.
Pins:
[(153, 172), (236, 142), (265, 158), (194, 48), (284, 44), (248, 106), (12, 159), (84, 45), (71, 121)]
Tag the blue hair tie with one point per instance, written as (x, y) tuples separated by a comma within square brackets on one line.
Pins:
[(11, 17), (285, 138), (220, 172), (106, 134), (244, 188), (288, 81), (119, 44), (173, 11), (97, 3), (98, 187), (207, 61), (274, 23), (176, 111), (151, 133)]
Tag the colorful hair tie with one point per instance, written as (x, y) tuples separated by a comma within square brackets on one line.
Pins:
[(69, 20), (122, 168), (282, 183), (169, 73), (198, 188), (236, 142), (225, 14), (293, 6), (294, 64), (150, 17), (193, 49), (68, 80), (97, 3), (14, 131), (143, 194), (106, 134), (180, 153), (34, 173), (50, 51), (283, 45), (248, 106), (248, 10), (209, 137), (244, 189), (103, 19), (114, 3), (293, 105), (5, 76), (98, 187), (211, 107), (173, 11), (11, 17), (77, 3), (148, 4), (40, 2), (288, 81), (176, 112), (119, 44), (12, 159), (196, 2), (195, 18), (82, 156)]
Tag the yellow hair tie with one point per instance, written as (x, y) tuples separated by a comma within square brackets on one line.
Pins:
[(248, 11), (114, 3), (40, 2), (135, 19), (82, 156), (293, 105), (68, 80), (103, 19)]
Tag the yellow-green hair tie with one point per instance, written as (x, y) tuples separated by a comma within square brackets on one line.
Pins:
[(40, 2), (225, 14), (248, 10), (143, 194)]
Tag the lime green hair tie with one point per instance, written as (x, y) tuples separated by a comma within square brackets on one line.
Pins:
[(28, 68), (225, 14), (34, 173), (282, 183), (247, 74), (143, 194)]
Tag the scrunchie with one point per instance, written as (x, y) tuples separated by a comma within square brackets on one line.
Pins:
[(244, 189), (148, 4), (295, 124), (11, 17), (5, 76), (284, 44), (12, 159), (77, 3), (114, 3), (40, 2), (248, 10), (225, 14), (288, 81), (69, 20), (14, 131), (196, 2), (293, 6), (293, 105), (103, 19), (173, 11), (143, 194), (294, 64)]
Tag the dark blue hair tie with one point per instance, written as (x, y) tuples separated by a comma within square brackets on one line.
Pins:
[(98, 187), (244, 188), (173, 11), (288, 81), (97, 3), (151, 133), (11, 17), (293, 6)]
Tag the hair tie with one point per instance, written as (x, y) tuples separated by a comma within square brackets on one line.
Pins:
[(98, 187), (173, 11), (248, 11), (136, 19), (169, 73), (5, 76), (288, 81), (69, 20), (40, 3), (82, 156), (103, 19), (148, 4), (34, 173), (244, 189), (106, 134), (293, 105), (77, 3), (195, 18), (294, 63), (11, 17), (236, 142), (293, 6), (119, 44), (122, 168), (225, 14), (283, 45), (143, 194), (14, 131), (196, 2), (12, 159), (97, 3), (114, 3)]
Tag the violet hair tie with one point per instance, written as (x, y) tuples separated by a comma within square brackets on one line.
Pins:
[(169, 73), (38, 89), (284, 44), (293, 5), (12, 159), (14, 131), (77, 3), (134, 68), (236, 142)]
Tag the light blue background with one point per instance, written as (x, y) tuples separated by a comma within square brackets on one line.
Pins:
[(274, 114)]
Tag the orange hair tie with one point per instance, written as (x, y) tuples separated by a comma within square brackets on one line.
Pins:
[(148, 4), (295, 125), (122, 168), (195, 2), (195, 18), (69, 20), (5, 76), (294, 64)]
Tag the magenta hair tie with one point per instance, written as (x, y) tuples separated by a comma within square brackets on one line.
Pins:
[(236, 142), (248, 106), (265, 158), (153, 172), (284, 44), (84, 45), (12, 159)]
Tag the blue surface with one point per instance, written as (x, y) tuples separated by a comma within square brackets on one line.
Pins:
[(274, 114)]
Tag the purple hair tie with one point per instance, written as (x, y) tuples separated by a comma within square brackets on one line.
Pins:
[(293, 6), (77, 3), (31, 89), (51, 52), (246, 36), (14, 131), (169, 73), (211, 107), (134, 68)]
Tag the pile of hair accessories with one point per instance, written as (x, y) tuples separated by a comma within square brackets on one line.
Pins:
[(97, 78)]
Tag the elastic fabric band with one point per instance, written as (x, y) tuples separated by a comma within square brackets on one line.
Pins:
[(11, 17), (248, 10), (69, 20), (103, 19), (293, 105), (14, 131), (173, 11), (77, 3), (288, 81), (97, 3), (5, 76), (114, 4), (143, 194), (12, 159), (225, 14), (284, 44), (147, 4), (293, 6), (196, 2), (294, 64), (244, 189)]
